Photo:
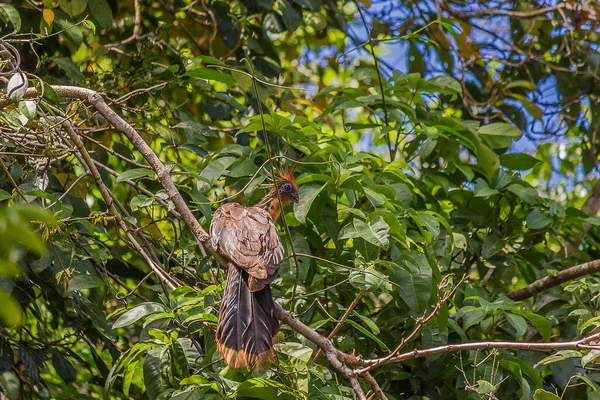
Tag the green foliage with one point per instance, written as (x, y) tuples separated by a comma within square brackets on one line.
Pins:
[(398, 190)]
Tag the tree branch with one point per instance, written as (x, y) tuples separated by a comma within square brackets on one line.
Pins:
[(449, 348), (547, 282)]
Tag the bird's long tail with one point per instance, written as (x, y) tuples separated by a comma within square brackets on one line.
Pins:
[(247, 326)]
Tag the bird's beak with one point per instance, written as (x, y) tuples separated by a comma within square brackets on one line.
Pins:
[(295, 197)]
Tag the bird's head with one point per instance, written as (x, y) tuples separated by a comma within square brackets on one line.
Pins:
[(286, 184)]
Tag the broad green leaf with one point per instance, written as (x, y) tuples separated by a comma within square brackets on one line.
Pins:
[(73, 34), (213, 171), (9, 14), (129, 375), (538, 219), (313, 5), (261, 388), (518, 161), (179, 360), (517, 322), (484, 387), (375, 232), (370, 279), (136, 313), (592, 356), (97, 317), (526, 193), (4, 195), (487, 160), (73, 7), (153, 373), (211, 74), (558, 356), (307, 193), (491, 245), (63, 367), (295, 350), (499, 135), (132, 174), (368, 334), (10, 312), (102, 12), (80, 282), (414, 285), (542, 394)]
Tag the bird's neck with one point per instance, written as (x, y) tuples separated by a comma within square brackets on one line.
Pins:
[(270, 204)]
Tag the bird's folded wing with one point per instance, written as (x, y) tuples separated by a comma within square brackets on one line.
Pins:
[(248, 238)]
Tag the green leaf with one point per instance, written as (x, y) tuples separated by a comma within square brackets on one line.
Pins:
[(487, 160), (10, 14), (370, 279), (4, 195), (72, 33), (313, 5), (10, 312), (73, 7), (368, 334), (541, 394), (524, 192), (197, 128), (414, 285), (129, 375), (538, 220), (63, 367), (152, 373), (213, 171), (375, 232), (589, 357), (132, 174), (295, 350), (97, 317), (136, 313), (80, 282), (307, 194), (179, 360), (491, 245), (289, 16), (70, 68), (211, 74), (484, 387), (518, 161), (140, 201), (102, 12), (517, 322), (499, 135), (558, 356), (261, 388)]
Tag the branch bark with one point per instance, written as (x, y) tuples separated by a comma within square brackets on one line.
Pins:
[(450, 348), (547, 282)]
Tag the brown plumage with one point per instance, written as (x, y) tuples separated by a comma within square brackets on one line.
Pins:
[(248, 238)]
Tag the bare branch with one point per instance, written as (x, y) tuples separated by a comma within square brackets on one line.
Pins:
[(547, 282), (450, 348), (89, 163), (375, 386)]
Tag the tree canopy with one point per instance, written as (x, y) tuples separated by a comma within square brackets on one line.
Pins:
[(446, 240)]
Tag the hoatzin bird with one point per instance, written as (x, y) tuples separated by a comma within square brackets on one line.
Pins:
[(247, 237)]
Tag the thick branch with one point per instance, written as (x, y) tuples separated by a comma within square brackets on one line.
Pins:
[(550, 281), (450, 348), (136, 139), (89, 162)]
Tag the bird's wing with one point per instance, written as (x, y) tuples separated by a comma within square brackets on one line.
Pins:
[(247, 236)]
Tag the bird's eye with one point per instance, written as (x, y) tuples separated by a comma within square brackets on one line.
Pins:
[(286, 187)]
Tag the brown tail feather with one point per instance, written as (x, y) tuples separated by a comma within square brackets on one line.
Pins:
[(247, 325)]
